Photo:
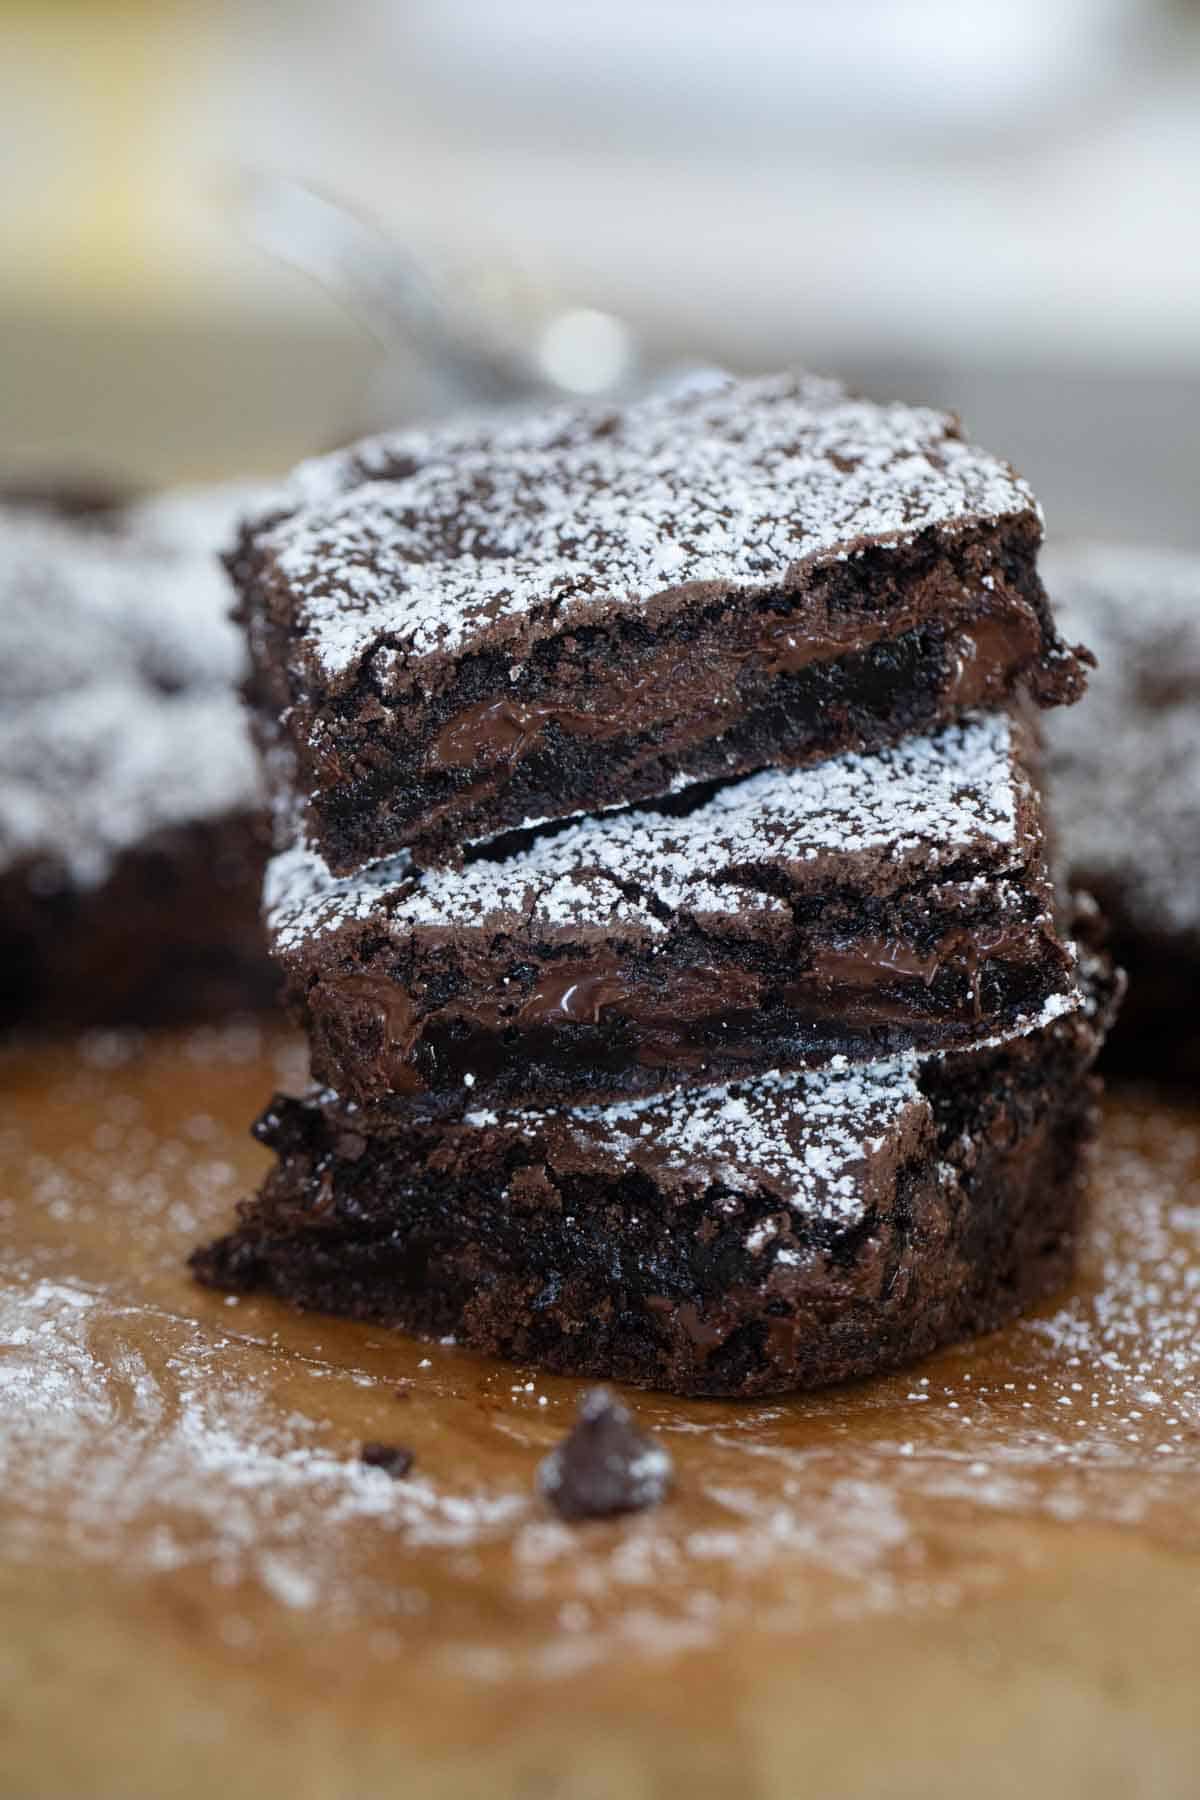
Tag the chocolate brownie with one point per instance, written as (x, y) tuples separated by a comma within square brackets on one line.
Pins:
[(776, 1233), (465, 632), (130, 833), (856, 907), (1125, 780)]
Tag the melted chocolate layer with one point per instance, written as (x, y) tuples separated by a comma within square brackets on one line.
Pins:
[(632, 722), (629, 1025), (705, 678)]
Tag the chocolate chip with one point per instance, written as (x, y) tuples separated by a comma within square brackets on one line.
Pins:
[(605, 1465), (394, 1459)]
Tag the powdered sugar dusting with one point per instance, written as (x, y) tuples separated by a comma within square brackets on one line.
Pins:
[(428, 539), (118, 706), (212, 1447), (930, 801), (809, 1137)]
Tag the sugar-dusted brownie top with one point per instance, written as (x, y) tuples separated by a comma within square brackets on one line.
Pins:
[(851, 907), (881, 821), (813, 1139), (119, 712), (438, 541), (1126, 767), (818, 1140), (462, 630), (821, 1140)]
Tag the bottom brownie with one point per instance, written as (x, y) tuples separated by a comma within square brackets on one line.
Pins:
[(777, 1233)]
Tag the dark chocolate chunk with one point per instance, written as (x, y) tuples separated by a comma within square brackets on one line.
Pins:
[(394, 1459), (460, 632), (606, 1465)]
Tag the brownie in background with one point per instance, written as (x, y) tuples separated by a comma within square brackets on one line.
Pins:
[(1124, 786), (131, 835)]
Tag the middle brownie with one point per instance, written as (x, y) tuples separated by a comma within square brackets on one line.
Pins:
[(866, 905)]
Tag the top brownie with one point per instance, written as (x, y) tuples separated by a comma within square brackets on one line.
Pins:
[(467, 631), (868, 904)]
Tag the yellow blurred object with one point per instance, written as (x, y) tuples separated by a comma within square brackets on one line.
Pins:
[(93, 173), (138, 332)]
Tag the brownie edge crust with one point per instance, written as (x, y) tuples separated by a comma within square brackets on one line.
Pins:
[(783, 1233)]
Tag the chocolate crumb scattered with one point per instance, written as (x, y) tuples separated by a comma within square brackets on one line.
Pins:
[(394, 1459), (605, 1465)]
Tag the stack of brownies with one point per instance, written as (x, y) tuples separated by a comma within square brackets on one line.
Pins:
[(664, 890)]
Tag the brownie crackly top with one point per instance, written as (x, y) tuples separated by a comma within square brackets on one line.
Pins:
[(432, 542), (464, 631)]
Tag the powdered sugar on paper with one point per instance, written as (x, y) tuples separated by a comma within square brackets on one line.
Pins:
[(200, 1466)]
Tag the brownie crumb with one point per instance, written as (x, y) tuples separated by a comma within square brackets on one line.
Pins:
[(394, 1459), (605, 1465)]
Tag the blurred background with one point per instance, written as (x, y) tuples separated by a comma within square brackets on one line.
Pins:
[(227, 225)]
